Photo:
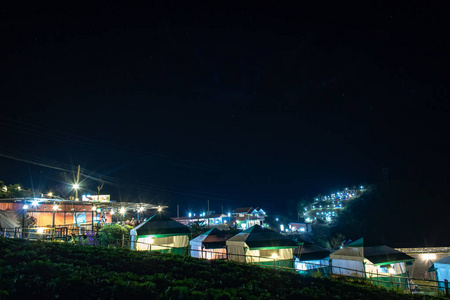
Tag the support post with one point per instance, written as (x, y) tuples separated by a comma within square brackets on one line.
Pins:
[(446, 287)]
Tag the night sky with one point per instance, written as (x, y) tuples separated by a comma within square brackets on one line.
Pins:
[(240, 104)]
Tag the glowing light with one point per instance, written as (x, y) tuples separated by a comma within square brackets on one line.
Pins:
[(391, 271), (40, 230), (25, 206), (94, 208), (302, 229), (50, 194), (282, 227), (151, 241), (55, 207), (428, 256), (99, 210), (159, 208), (35, 203), (190, 215), (75, 186), (18, 188), (122, 210), (274, 256), (276, 219), (229, 215), (112, 212)]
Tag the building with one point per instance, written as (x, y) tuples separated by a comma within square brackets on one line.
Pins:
[(246, 217)]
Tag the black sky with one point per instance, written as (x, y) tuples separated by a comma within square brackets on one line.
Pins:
[(243, 104)]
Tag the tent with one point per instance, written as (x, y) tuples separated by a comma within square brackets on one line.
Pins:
[(441, 270), (382, 264), (210, 245), (262, 246), (160, 233), (311, 258)]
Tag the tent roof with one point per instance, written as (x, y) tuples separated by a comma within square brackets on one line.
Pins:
[(161, 224), (311, 252), (213, 238), (259, 237), (376, 254)]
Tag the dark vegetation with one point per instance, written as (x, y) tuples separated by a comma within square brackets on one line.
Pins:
[(45, 270), (399, 214)]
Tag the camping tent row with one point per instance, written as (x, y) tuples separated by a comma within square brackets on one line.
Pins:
[(258, 245), (255, 245)]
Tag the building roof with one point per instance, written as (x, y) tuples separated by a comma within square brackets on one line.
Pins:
[(243, 210), (260, 237)]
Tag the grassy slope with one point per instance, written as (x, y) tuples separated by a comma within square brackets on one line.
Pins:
[(67, 271)]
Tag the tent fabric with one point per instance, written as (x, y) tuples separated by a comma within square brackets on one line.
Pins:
[(161, 233), (348, 267), (261, 246)]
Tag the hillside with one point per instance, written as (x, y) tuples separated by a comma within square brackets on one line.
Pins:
[(46, 270), (399, 214)]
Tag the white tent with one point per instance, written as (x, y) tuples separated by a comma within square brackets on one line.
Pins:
[(384, 265), (441, 269), (162, 234), (262, 246), (210, 245)]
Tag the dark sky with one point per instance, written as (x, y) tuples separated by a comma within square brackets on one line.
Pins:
[(242, 104)]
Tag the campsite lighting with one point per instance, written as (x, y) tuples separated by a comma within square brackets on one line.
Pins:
[(122, 210), (229, 215), (190, 215), (112, 212), (428, 256), (25, 206), (35, 203), (40, 230), (151, 241), (274, 256), (159, 208), (94, 208), (55, 207), (50, 194), (75, 186)]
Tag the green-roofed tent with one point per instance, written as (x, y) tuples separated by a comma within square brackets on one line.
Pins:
[(210, 245), (382, 264), (161, 233), (262, 246), (441, 270)]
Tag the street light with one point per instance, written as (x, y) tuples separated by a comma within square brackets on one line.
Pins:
[(76, 186)]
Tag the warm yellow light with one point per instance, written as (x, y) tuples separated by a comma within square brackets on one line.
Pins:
[(391, 271), (159, 209), (40, 230), (75, 186), (112, 212), (429, 256), (122, 210), (151, 241), (18, 188), (274, 256), (50, 194)]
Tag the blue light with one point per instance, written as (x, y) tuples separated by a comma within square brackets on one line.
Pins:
[(190, 215)]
